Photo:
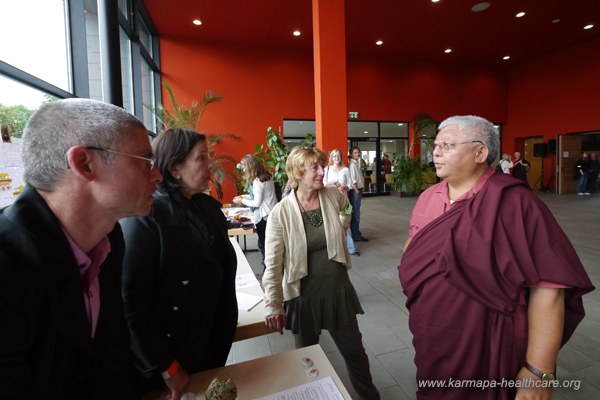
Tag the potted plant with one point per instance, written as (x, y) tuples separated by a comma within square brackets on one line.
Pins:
[(407, 174), (274, 156), (181, 117)]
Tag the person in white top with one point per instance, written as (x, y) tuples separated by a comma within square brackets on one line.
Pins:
[(506, 163), (336, 174), (261, 198), (355, 194)]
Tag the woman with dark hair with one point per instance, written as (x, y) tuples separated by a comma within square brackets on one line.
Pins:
[(261, 198), (179, 271)]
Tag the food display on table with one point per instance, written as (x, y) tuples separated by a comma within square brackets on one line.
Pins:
[(221, 388)]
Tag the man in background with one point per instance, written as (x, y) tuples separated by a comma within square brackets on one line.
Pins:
[(355, 193), (62, 330)]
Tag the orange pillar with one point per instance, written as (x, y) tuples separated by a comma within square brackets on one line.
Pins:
[(329, 43)]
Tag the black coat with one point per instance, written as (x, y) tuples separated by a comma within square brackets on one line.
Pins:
[(179, 286), (46, 350)]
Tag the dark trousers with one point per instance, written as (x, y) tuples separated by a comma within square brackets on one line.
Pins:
[(349, 342), (355, 201), (591, 182), (260, 231)]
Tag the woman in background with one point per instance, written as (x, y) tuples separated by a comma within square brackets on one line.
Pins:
[(506, 163), (179, 271), (338, 175), (306, 282), (261, 199)]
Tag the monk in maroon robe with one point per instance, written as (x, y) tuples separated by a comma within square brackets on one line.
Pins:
[(481, 246)]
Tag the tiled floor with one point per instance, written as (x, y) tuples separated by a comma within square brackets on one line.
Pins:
[(385, 322)]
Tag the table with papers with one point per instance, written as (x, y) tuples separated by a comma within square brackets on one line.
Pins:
[(251, 308), (279, 376)]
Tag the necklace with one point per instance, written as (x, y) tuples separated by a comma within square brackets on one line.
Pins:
[(315, 218)]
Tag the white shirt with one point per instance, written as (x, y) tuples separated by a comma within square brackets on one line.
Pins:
[(356, 175), (264, 199), (341, 177), (506, 166)]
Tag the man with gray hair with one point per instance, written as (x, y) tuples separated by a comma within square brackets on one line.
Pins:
[(62, 330), (493, 284)]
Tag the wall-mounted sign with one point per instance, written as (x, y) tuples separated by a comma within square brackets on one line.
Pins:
[(353, 114)]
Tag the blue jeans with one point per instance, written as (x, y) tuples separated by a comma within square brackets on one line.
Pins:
[(350, 242), (355, 200), (582, 183)]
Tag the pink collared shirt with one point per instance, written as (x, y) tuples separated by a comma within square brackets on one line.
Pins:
[(89, 268), (435, 201)]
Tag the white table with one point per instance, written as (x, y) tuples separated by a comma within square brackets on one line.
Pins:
[(268, 375), (250, 323)]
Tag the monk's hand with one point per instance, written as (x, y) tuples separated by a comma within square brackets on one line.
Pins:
[(275, 322), (532, 387)]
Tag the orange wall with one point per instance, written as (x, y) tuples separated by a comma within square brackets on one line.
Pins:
[(261, 87), (555, 94)]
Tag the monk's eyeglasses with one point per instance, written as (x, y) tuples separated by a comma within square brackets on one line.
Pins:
[(449, 146)]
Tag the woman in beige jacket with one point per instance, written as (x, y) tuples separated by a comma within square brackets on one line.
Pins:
[(306, 281)]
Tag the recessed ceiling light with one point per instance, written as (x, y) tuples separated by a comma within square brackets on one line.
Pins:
[(379, 42), (480, 6), (297, 33), (521, 14), (435, 1), (197, 22), (590, 26), (506, 57), (448, 51)]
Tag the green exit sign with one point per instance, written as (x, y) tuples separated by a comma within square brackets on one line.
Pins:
[(353, 114)]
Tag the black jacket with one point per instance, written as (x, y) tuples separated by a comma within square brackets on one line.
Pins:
[(46, 351), (179, 285)]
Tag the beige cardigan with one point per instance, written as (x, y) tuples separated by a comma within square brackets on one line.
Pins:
[(286, 250)]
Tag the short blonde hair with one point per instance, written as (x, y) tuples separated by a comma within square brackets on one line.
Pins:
[(300, 158)]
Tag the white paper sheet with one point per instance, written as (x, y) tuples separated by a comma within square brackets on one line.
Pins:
[(245, 280), (247, 301), (321, 389)]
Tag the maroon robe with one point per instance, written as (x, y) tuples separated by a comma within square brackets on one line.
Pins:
[(463, 275)]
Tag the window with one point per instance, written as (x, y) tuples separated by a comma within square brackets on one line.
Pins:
[(43, 51)]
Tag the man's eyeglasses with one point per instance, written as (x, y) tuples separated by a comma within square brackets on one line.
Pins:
[(150, 162), (449, 146)]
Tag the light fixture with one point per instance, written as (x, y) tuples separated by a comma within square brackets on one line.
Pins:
[(556, 21), (448, 51), (506, 57), (379, 42), (366, 132), (197, 22), (400, 124), (435, 1), (297, 33), (480, 6), (590, 26), (520, 14)]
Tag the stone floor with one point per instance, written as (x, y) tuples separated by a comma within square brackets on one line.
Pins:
[(385, 323)]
